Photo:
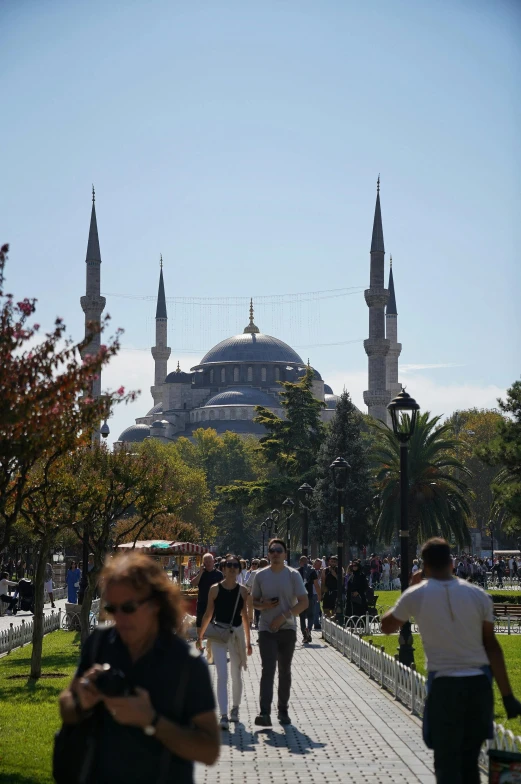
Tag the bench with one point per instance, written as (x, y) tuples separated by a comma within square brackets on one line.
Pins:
[(509, 614)]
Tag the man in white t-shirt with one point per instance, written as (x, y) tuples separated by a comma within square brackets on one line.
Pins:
[(456, 624)]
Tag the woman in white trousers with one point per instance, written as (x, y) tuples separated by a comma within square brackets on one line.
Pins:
[(227, 606)]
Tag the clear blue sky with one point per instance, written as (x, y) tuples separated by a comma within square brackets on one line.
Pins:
[(243, 141)]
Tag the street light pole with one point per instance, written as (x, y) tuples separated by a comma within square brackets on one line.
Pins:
[(263, 529), (339, 469), (288, 505), (404, 411), (305, 492)]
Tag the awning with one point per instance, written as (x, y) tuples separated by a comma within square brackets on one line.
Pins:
[(164, 547)]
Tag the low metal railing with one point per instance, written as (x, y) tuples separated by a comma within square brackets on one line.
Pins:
[(22, 633), (404, 683)]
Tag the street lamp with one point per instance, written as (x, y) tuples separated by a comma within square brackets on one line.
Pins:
[(288, 506), (263, 529), (266, 528), (305, 492), (491, 533), (275, 514), (339, 469), (404, 412)]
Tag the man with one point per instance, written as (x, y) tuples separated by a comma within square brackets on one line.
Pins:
[(375, 571), (48, 586), (11, 601), (456, 623), (280, 595), (248, 583), (207, 576), (310, 580), (317, 595)]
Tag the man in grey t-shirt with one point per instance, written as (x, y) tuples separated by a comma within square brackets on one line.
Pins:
[(280, 595)]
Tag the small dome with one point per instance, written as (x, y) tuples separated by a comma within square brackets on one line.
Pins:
[(135, 434), (242, 396), (251, 347), (178, 377), (331, 401), (156, 410), (328, 390), (157, 423)]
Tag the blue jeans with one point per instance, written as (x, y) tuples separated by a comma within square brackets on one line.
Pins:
[(317, 612)]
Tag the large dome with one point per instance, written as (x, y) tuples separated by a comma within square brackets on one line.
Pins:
[(241, 396), (251, 348), (135, 434)]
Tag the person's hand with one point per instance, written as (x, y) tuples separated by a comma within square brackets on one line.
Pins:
[(249, 649), (277, 623), (85, 688), (512, 706), (269, 604), (199, 644), (136, 711), (355, 593)]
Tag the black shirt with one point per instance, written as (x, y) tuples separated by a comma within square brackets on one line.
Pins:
[(205, 583), (225, 604), (125, 754), (309, 576)]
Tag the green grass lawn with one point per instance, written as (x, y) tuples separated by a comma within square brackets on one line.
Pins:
[(29, 714), (511, 648)]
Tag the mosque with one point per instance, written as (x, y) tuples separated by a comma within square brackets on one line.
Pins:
[(245, 370)]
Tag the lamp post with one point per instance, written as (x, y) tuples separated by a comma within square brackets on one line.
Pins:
[(288, 505), (266, 528), (263, 529), (275, 514), (404, 411), (491, 532), (305, 492), (339, 469)]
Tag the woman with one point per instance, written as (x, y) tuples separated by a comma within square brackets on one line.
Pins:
[(227, 603), (386, 574), (72, 578), (356, 587), (330, 583), (167, 722)]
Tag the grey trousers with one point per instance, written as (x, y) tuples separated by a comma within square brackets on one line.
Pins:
[(276, 648)]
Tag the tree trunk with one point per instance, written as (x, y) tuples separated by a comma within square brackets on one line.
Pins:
[(85, 610), (36, 656)]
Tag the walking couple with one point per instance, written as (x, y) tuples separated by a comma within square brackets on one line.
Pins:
[(279, 594)]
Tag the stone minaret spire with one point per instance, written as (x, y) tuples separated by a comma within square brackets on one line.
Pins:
[(395, 348), (377, 346), (160, 351), (251, 329), (93, 303)]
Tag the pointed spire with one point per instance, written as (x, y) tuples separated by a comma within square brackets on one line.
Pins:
[(161, 300), (160, 261), (93, 251), (251, 328), (391, 304), (377, 241), (178, 368)]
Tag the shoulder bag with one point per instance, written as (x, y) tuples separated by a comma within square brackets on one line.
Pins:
[(220, 632)]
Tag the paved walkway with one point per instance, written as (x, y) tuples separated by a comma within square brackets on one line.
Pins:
[(344, 726)]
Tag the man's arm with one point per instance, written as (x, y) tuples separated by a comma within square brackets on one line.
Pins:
[(496, 659), (317, 589), (194, 582), (391, 624), (199, 743), (394, 619)]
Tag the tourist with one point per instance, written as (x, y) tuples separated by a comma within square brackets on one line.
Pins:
[(310, 580), (227, 607), (280, 595), (168, 722), (456, 622), (72, 578), (207, 576), (330, 587), (356, 588), (253, 615), (374, 567), (317, 595), (20, 569), (5, 584), (48, 584)]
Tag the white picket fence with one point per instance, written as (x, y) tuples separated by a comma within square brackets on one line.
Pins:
[(404, 683), (21, 634)]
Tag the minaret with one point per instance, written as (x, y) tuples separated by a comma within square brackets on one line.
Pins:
[(93, 303), (376, 347), (395, 348), (160, 351)]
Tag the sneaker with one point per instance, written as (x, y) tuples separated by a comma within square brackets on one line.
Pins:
[(224, 722), (283, 717), (308, 637), (263, 720), (234, 715)]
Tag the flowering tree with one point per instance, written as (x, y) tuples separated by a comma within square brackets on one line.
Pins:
[(45, 407)]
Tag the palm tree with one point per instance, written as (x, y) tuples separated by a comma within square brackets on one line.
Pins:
[(438, 494)]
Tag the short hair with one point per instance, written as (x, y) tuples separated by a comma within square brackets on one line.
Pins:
[(255, 561), (263, 563), (303, 557), (436, 554), (207, 554), (4, 576), (277, 541), (142, 572)]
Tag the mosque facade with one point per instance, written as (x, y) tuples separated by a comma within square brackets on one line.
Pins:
[(246, 370)]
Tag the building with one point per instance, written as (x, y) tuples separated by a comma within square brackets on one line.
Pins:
[(245, 370)]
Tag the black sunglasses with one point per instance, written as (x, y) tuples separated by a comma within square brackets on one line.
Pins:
[(233, 564), (128, 608), (276, 550)]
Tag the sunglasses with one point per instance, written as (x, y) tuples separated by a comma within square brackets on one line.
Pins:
[(232, 565), (275, 550), (127, 608)]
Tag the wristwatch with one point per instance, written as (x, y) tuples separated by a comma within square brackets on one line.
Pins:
[(150, 729)]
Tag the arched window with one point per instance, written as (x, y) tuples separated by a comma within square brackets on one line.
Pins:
[(250, 373), (235, 374), (233, 413), (221, 413), (277, 373), (263, 374), (223, 375), (211, 376), (212, 414)]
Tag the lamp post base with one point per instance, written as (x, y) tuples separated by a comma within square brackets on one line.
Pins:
[(406, 650)]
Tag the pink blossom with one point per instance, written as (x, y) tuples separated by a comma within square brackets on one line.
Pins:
[(55, 409), (36, 326), (121, 391)]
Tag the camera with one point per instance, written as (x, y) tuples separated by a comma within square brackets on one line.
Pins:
[(113, 682)]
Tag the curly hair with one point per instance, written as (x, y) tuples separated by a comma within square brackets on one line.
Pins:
[(143, 572)]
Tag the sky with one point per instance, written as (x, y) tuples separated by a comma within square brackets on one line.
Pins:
[(242, 141)]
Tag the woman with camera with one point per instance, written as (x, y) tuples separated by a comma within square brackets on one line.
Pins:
[(146, 700), (227, 606)]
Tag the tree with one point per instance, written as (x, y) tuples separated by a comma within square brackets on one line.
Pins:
[(437, 500), (344, 439), (504, 450), (43, 411)]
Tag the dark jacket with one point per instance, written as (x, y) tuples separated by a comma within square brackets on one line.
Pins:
[(356, 583)]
